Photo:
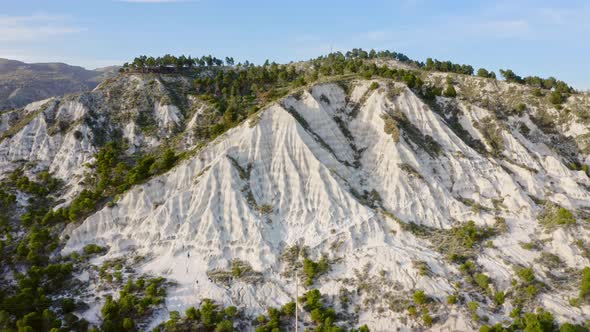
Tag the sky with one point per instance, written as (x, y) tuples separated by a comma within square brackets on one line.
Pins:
[(544, 38)]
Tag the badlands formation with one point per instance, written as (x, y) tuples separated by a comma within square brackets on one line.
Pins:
[(410, 213)]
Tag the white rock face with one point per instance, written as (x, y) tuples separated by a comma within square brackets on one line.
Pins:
[(63, 135), (312, 178), (61, 153)]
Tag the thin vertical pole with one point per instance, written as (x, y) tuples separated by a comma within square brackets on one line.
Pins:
[(296, 301)]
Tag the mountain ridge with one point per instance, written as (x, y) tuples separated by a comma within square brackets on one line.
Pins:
[(22, 83)]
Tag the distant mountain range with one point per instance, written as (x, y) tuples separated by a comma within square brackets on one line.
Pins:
[(22, 83)]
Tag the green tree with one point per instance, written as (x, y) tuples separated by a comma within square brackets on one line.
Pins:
[(225, 326), (556, 98), (542, 321), (128, 324), (482, 72), (450, 91)]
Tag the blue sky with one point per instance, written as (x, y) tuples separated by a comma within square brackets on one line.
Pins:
[(546, 38)]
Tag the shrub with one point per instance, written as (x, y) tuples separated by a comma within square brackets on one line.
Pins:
[(585, 285), (473, 306), (128, 324), (91, 249), (314, 269), (556, 98), (564, 217), (494, 328), (68, 305), (224, 326), (452, 299), (426, 318), (527, 275), (541, 321), (391, 127), (531, 291), (554, 215), (420, 297), (469, 234), (450, 91), (482, 280), (289, 309), (499, 298), (373, 86), (193, 314), (568, 327)]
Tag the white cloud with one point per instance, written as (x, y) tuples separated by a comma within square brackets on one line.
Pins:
[(34, 27)]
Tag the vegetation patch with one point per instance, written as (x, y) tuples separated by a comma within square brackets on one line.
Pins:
[(239, 270), (137, 301), (410, 170), (323, 317), (209, 317), (314, 269), (492, 133), (554, 216)]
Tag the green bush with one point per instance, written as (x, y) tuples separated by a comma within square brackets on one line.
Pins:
[(554, 215), (541, 321), (426, 318), (450, 92), (556, 98), (585, 285), (568, 327), (527, 275), (314, 269), (482, 280), (128, 324), (499, 298), (420, 297), (452, 299), (564, 217), (289, 309), (193, 314), (91, 249)]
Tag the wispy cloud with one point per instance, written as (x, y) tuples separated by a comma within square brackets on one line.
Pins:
[(33, 27), (502, 28)]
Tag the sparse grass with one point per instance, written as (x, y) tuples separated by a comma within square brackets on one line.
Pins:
[(390, 127), (550, 261), (554, 216), (532, 245), (422, 267)]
